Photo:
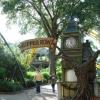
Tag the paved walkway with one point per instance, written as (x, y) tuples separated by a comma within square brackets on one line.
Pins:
[(46, 94)]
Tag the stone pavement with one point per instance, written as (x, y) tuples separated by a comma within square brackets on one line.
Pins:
[(30, 94)]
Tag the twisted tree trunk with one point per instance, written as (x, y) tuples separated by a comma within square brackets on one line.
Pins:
[(83, 73), (83, 77)]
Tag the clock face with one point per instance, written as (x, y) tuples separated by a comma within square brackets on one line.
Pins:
[(70, 42)]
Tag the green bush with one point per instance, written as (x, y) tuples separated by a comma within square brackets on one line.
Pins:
[(98, 84), (9, 86), (58, 69), (30, 83), (46, 77), (14, 86), (2, 73), (29, 76), (59, 74)]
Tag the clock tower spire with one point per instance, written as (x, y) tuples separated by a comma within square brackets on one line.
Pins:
[(72, 25)]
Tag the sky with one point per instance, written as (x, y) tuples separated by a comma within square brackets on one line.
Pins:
[(12, 34)]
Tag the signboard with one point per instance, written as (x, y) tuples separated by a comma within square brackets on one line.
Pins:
[(37, 43)]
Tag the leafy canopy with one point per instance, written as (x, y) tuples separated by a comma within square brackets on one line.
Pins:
[(50, 16)]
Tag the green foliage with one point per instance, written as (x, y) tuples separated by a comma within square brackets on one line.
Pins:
[(98, 84), (29, 75), (58, 69), (48, 13), (30, 83), (46, 77), (10, 4), (59, 75), (2, 73), (8, 62), (9, 86)]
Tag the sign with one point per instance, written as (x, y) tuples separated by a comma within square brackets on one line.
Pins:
[(37, 43)]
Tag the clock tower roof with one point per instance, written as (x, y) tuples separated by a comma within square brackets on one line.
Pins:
[(71, 26)]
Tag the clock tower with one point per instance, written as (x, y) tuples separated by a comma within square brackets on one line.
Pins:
[(71, 43), (71, 46)]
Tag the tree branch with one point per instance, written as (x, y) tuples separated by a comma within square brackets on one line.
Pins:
[(47, 10), (43, 18), (32, 16)]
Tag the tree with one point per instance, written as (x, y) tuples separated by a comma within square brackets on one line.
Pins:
[(51, 16), (84, 72), (10, 60)]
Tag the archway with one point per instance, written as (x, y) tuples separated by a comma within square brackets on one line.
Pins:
[(37, 43)]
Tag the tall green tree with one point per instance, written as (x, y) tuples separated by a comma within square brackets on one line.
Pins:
[(50, 17)]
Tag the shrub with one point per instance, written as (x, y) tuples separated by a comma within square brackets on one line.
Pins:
[(9, 86), (98, 82), (29, 75), (2, 72), (14, 86), (59, 75), (46, 77), (30, 83)]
